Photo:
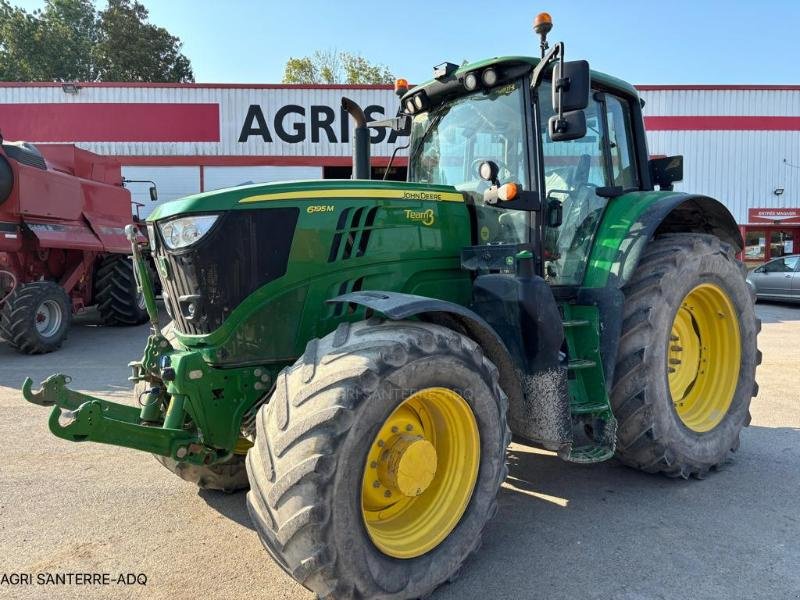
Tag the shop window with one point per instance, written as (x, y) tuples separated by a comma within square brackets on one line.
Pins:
[(781, 243), (755, 245)]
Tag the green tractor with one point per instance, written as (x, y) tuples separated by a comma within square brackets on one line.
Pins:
[(358, 353)]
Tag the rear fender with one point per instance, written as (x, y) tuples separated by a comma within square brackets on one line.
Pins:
[(630, 222)]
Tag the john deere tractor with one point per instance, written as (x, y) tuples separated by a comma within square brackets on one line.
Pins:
[(358, 353)]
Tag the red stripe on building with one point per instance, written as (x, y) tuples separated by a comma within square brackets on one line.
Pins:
[(253, 161), (110, 122), (722, 123)]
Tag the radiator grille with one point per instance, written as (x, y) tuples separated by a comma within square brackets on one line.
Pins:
[(243, 251)]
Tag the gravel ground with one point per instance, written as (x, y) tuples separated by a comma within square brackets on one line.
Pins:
[(563, 530)]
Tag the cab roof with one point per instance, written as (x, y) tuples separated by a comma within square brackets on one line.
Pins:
[(514, 66)]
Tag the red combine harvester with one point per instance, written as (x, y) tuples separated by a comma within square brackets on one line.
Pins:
[(63, 211)]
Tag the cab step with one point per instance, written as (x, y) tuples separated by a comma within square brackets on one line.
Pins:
[(575, 323), (589, 403), (581, 363)]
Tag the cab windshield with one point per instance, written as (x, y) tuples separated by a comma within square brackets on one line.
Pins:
[(449, 143)]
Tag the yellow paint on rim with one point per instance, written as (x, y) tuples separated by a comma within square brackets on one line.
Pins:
[(420, 472), (704, 357), (242, 446), (350, 193)]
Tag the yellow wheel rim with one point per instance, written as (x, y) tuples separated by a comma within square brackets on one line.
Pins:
[(703, 357), (420, 472)]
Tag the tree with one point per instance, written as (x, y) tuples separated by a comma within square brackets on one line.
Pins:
[(68, 40), (332, 66), (131, 49)]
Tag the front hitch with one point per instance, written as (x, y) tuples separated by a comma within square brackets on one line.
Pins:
[(78, 417)]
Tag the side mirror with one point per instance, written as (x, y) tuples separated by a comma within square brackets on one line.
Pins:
[(666, 170), (760, 270), (571, 86), (153, 194), (569, 126)]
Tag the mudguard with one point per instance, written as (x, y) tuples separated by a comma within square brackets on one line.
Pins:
[(632, 220), (629, 223), (397, 306), (535, 416)]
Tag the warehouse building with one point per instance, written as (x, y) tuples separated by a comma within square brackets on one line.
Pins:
[(741, 144)]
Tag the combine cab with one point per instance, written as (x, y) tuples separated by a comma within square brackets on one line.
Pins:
[(63, 211)]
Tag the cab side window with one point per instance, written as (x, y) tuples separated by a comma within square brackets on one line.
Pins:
[(620, 134)]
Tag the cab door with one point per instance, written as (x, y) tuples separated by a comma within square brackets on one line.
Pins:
[(579, 175)]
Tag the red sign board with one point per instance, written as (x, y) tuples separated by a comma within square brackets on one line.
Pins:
[(773, 215)]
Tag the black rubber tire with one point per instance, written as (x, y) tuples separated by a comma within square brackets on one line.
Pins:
[(651, 436), (115, 293), (6, 179), (19, 312), (312, 440), (228, 477)]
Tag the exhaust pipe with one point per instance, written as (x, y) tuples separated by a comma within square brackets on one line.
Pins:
[(361, 167)]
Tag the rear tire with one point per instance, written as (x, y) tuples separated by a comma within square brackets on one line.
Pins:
[(36, 317), (309, 468), (663, 327), (118, 300)]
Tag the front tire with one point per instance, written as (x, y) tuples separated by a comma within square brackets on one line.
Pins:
[(36, 317), (344, 493), (229, 476), (687, 358), (119, 302)]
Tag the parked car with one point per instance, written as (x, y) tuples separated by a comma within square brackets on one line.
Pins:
[(778, 279)]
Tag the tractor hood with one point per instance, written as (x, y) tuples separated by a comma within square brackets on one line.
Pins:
[(249, 196)]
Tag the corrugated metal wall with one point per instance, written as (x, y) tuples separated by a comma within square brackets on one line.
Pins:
[(234, 104), (741, 168)]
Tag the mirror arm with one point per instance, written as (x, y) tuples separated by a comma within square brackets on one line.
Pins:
[(557, 51)]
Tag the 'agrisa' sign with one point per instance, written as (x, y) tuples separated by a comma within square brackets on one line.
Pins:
[(294, 124)]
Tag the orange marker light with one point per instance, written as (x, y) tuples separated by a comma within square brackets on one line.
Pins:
[(543, 23), (507, 192), (400, 86)]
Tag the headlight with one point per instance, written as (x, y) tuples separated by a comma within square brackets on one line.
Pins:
[(185, 231), (471, 81)]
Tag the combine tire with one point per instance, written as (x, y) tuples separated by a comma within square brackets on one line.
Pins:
[(378, 460), (36, 317), (118, 300), (228, 477), (686, 366)]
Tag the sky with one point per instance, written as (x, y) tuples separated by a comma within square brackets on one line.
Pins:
[(643, 42)]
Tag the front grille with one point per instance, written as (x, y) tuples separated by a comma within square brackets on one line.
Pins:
[(244, 250)]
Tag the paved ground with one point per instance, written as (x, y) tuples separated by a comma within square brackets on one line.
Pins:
[(563, 531)]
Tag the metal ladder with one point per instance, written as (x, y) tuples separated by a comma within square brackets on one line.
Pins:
[(589, 402)]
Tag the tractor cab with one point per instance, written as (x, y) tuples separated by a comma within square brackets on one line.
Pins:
[(538, 155)]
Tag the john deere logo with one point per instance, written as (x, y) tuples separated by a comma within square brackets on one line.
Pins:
[(423, 216), (422, 196)]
